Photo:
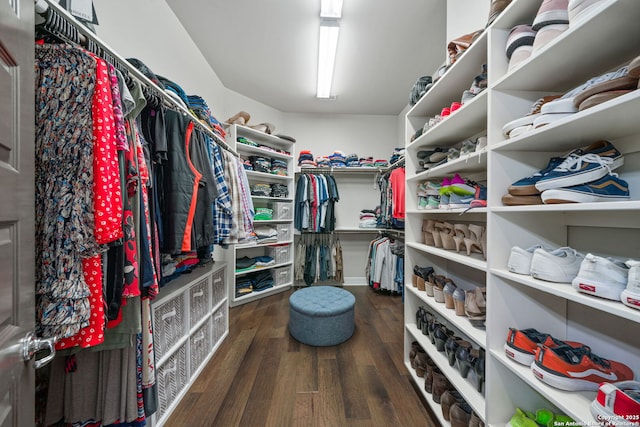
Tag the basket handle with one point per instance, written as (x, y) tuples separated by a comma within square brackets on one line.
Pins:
[(169, 315)]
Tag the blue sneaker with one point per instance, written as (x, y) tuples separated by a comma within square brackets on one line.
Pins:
[(527, 186), (444, 201), (609, 188), (460, 202), (583, 166)]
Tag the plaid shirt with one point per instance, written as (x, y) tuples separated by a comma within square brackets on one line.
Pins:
[(231, 172), (248, 211), (222, 216)]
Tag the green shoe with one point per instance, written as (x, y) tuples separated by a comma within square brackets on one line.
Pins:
[(520, 419)]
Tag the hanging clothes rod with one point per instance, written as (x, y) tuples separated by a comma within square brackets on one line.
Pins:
[(392, 233), (395, 165), (43, 5)]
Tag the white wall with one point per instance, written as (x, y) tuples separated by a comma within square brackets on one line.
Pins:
[(260, 113), (149, 31), (466, 16)]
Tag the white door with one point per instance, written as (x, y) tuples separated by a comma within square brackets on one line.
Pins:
[(17, 302)]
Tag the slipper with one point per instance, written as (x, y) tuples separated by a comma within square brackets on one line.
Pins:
[(599, 98), (241, 118), (264, 127)]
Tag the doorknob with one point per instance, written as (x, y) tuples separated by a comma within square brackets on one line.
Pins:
[(32, 344)]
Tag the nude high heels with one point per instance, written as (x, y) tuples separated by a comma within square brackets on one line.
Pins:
[(446, 235), (474, 242), (461, 233)]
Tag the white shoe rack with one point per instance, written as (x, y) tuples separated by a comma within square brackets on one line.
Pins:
[(602, 41)]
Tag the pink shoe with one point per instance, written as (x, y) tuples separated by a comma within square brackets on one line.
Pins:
[(455, 106), (551, 12)]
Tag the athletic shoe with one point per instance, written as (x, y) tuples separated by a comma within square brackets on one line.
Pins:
[(582, 166), (480, 198), (551, 12), (444, 202), (422, 202), (520, 419), (445, 187), (528, 119), (559, 266), (631, 295), (462, 187), (428, 188), (546, 35), (521, 344), (527, 186), (609, 188), (460, 202), (520, 35), (617, 404), (576, 369), (579, 9), (520, 259), (602, 277)]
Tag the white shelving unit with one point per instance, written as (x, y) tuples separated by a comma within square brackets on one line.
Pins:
[(607, 229), (190, 321), (282, 250)]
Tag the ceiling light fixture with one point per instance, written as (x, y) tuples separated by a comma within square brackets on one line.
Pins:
[(327, 57), (330, 14), (331, 9)]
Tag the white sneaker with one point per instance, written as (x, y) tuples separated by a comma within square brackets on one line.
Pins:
[(602, 277), (631, 295), (520, 259), (560, 266)]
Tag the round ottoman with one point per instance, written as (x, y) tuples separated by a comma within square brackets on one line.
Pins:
[(321, 315)]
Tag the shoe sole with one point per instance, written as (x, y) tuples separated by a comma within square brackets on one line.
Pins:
[(518, 356), (523, 190), (606, 417), (597, 288), (511, 200), (620, 83), (459, 205), (561, 382), (578, 178), (630, 299), (557, 196), (522, 121)]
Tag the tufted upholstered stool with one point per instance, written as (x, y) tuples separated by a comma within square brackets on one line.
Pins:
[(321, 315)]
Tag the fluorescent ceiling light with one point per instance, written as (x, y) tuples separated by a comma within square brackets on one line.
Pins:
[(330, 8), (327, 58)]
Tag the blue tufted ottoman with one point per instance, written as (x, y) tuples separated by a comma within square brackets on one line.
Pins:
[(321, 315)]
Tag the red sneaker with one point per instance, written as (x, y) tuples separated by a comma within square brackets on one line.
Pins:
[(575, 369), (617, 404), (521, 344)]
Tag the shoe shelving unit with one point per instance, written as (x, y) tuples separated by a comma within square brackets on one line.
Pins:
[(190, 322), (604, 39), (282, 250)]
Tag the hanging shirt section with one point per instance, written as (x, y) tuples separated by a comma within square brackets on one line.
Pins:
[(385, 265), (315, 199)]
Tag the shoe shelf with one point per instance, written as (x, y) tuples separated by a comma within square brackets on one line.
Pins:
[(566, 291), (473, 163), (610, 120), (460, 323), (474, 260), (273, 199), (435, 407), (574, 404), (466, 386), (470, 119), (261, 138), (255, 295), (599, 42)]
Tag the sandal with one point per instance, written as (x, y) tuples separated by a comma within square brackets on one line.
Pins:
[(461, 233), (438, 288), (446, 236), (474, 242), (427, 231)]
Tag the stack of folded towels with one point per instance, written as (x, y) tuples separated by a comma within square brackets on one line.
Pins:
[(368, 219)]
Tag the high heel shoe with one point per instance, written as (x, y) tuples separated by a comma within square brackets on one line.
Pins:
[(446, 236), (451, 346), (475, 306), (426, 319), (427, 231), (428, 379), (412, 354), (438, 288), (428, 285), (441, 335), (461, 233), (478, 368), (474, 242), (421, 362), (458, 301), (449, 289), (433, 324), (466, 359), (437, 238)]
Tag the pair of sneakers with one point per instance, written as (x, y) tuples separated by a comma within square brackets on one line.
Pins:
[(610, 278), (559, 266), (567, 365), (584, 175)]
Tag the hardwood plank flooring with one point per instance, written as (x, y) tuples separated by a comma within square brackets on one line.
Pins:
[(261, 376)]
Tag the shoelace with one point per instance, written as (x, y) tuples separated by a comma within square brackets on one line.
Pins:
[(574, 162), (586, 351)]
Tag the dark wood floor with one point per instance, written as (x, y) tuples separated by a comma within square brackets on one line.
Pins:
[(260, 376)]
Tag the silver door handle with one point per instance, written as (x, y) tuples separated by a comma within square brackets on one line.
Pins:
[(32, 344)]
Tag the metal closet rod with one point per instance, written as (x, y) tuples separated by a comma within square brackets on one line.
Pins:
[(132, 70)]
